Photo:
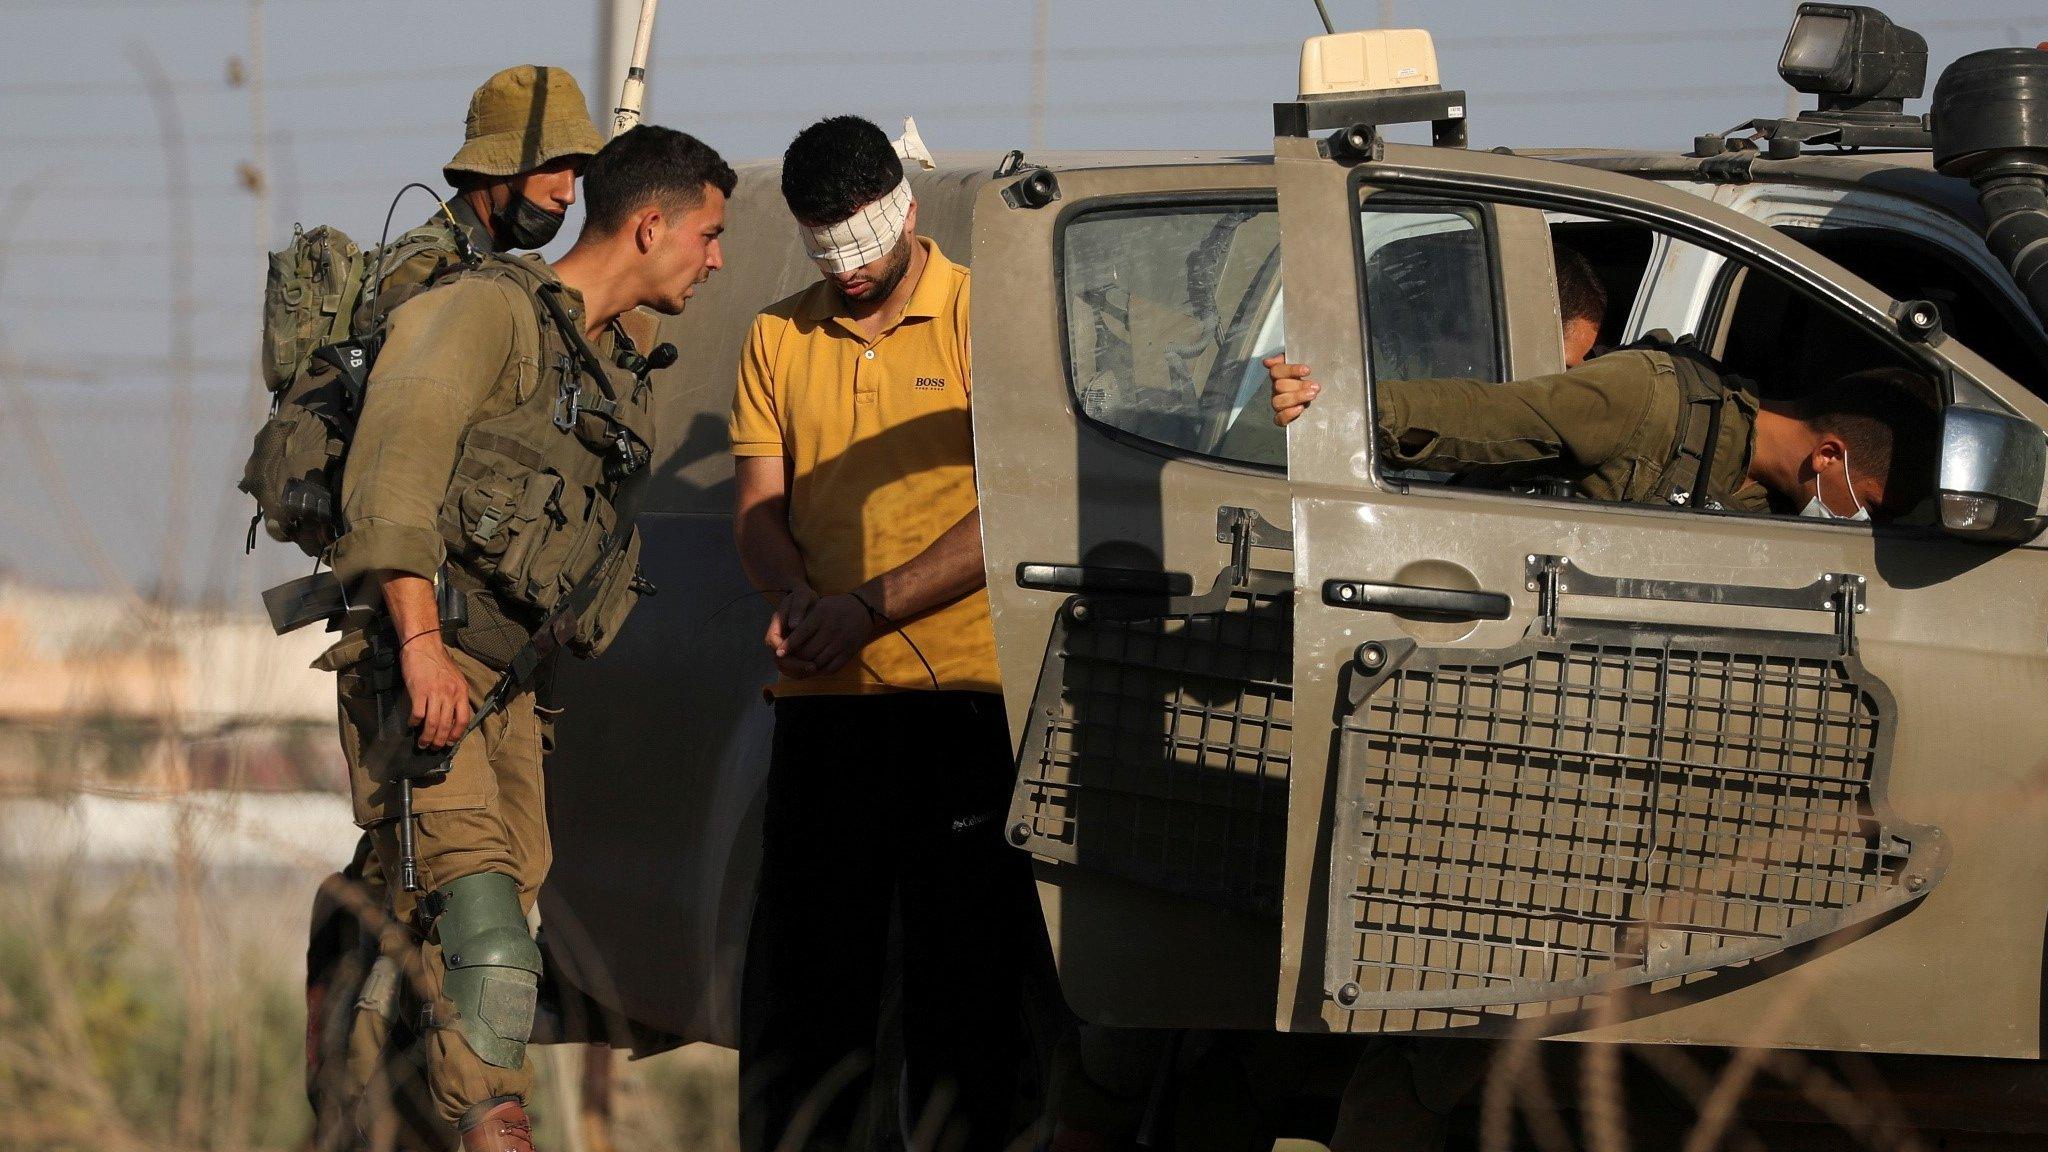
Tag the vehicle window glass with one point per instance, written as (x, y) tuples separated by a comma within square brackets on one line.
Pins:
[(1909, 268), (1429, 300), (1168, 312), (1785, 344), (1589, 434), (1617, 253)]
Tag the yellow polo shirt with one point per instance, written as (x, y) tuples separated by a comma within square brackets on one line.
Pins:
[(875, 441)]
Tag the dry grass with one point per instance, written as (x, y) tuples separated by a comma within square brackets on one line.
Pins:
[(103, 1045), (160, 1010)]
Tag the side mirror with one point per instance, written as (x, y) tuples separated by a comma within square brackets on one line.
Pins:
[(1992, 469)]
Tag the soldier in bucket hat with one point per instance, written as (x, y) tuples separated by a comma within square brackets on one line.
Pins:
[(526, 139)]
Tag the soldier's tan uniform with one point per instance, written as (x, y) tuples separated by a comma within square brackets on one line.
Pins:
[(416, 259), (452, 360), (1612, 425), (519, 120)]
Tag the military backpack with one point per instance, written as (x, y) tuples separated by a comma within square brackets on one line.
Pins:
[(320, 338)]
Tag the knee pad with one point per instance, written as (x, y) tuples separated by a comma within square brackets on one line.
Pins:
[(493, 965)]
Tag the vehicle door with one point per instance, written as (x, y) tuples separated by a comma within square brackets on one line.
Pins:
[(1130, 483), (1630, 772)]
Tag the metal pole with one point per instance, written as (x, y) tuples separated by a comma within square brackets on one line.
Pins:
[(616, 22), (633, 92), (163, 100), (1041, 20), (259, 218)]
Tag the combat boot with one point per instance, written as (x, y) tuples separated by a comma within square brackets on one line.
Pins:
[(499, 1124)]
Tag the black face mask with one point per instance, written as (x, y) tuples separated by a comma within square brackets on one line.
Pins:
[(524, 224)]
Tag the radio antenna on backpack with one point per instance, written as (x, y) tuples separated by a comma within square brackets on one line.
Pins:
[(374, 284)]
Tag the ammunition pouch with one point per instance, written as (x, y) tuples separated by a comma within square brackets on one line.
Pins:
[(493, 966), (530, 538)]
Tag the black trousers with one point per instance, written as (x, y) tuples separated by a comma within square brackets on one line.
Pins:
[(881, 803)]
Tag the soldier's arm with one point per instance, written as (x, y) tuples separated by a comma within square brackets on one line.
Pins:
[(1572, 420), (447, 350), (434, 686)]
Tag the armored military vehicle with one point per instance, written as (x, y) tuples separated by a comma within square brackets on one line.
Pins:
[(1311, 748)]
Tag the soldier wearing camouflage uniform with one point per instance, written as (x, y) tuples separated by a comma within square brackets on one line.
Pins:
[(1658, 424), (527, 138), (506, 424)]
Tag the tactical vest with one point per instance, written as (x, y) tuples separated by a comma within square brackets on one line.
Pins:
[(538, 515), (1711, 402)]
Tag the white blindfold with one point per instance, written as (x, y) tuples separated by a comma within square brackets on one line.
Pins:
[(872, 232), (865, 236)]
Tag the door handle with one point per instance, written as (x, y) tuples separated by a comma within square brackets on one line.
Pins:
[(1097, 579), (1413, 598)]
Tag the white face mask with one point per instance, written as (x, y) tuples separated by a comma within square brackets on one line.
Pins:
[(1818, 509)]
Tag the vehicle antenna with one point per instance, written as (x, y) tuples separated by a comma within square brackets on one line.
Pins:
[(1324, 12)]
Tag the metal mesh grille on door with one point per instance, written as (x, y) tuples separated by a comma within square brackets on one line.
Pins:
[(1158, 748), (1606, 807)]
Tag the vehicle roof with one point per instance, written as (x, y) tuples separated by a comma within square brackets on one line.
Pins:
[(1909, 174), (1614, 159), (1903, 173), (1083, 160)]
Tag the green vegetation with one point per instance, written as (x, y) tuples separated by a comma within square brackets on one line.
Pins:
[(95, 1029), (102, 1049)]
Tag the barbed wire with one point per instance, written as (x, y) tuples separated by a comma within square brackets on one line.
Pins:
[(1089, 109), (1677, 38)]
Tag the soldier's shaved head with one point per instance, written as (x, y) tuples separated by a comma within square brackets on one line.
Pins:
[(1581, 303), (650, 164), (1580, 294)]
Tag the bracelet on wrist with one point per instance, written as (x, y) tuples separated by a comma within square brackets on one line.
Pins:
[(874, 614)]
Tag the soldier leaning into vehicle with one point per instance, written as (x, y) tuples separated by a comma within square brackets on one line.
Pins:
[(891, 766), (1636, 424), (527, 138), (500, 376)]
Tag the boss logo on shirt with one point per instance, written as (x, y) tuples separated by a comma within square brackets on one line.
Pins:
[(930, 384)]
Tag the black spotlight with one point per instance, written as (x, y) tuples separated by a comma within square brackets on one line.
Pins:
[(1854, 58)]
